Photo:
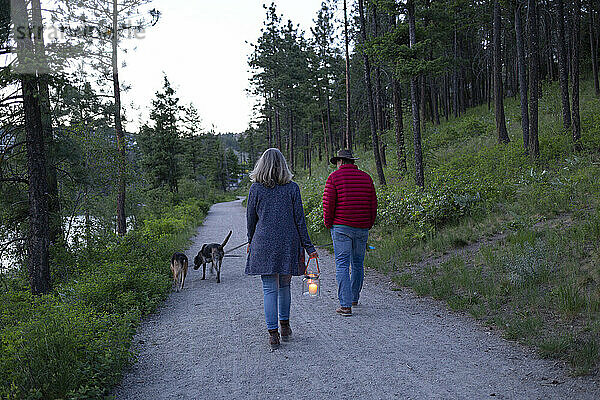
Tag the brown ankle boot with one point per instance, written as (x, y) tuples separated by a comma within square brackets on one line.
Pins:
[(274, 338), (286, 331)]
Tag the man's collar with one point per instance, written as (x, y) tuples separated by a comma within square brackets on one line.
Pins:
[(348, 166)]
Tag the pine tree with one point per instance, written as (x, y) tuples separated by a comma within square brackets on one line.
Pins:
[(498, 84), (160, 144)]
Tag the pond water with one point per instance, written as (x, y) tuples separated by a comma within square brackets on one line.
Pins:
[(74, 228)]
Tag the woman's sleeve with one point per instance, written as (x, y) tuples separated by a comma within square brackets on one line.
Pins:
[(251, 215), (301, 222)]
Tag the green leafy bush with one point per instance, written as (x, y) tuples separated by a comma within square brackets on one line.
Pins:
[(75, 342)]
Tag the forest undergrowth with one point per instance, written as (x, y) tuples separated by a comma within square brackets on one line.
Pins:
[(75, 342)]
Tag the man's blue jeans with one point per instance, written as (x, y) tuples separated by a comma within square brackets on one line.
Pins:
[(349, 246), (276, 289)]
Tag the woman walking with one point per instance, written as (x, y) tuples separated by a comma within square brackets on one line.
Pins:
[(277, 238)]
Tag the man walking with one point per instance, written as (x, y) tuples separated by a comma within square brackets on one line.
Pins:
[(349, 211)]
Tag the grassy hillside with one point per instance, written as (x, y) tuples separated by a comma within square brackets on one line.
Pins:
[(514, 243)]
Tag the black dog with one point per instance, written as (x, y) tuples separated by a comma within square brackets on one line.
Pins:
[(213, 253), (179, 266)]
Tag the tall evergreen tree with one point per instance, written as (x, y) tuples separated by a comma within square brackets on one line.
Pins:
[(38, 236), (522, 70), (414, 99), (534, 85), (498, 85), (575, 118), (160, 143), (563, 64)]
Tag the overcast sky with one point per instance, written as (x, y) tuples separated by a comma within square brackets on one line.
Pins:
[(201, 47)]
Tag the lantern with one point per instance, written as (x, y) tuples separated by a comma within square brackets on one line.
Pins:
[(311, 285)]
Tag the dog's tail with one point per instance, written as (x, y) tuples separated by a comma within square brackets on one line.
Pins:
[(226, 239)]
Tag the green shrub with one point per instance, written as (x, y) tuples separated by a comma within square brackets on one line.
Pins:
[(75, 342), (56, 348)]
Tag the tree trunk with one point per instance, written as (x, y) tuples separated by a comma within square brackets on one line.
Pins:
[(329, 131), (455, 74), (575, 120), (121, 220), (563, 66), (414, 97), (522, 67), (38, 241), (549, 55), (348, 140), (422, 101), (399, 124), (498, 90), (291, 143), (367, 74), (277, 125), (269, 124), (435, 103), (532, 24), (593, 50), (379, 102), (55, 222)]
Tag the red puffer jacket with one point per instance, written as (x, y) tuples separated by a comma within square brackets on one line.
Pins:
[(349, 198)]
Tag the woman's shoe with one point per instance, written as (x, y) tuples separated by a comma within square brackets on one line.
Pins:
[(274, 338), (286, 331)]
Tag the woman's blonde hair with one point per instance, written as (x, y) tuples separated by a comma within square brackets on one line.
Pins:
[(271, 169)]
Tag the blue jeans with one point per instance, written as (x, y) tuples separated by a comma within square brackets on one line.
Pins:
[(349, 246), (276, 289)]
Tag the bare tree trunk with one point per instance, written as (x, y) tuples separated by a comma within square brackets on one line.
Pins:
[(414, 96), (367, 74), (522, 67), (348, 131), (422, 101), (549, 55), (576, 122), (329, 131), (269, 122), (498, 90), (532, 24), (278, 129), (563, 66), (308, 149), (121, 220), (455, 74), (55, 223), (379, 102), (399, 124), (435, 101), (593, 50), (291, 143), (38, 237)]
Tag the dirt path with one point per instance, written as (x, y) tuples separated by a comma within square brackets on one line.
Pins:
[(210, 342)]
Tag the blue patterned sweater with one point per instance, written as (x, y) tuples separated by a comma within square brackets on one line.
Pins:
[(276, 230)]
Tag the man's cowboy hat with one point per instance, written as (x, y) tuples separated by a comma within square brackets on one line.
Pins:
[(343, 155)]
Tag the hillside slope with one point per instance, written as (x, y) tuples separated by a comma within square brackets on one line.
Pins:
[(515, 243)]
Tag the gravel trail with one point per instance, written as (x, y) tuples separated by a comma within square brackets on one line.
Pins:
[(210, 342)]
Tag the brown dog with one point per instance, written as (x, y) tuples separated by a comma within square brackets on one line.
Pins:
[(179, 266), (211, 253)]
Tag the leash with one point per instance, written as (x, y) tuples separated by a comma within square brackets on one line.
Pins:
[(369, 248), (243, 244), (317, 247), (235, 248)]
